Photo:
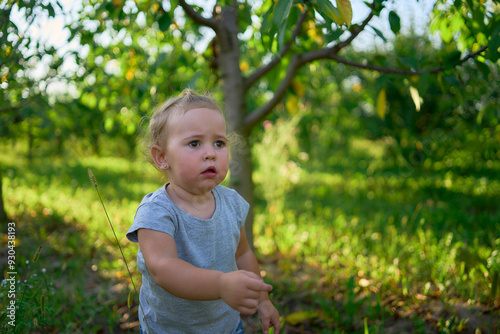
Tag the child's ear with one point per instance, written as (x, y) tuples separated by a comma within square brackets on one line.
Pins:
[(159, 157)]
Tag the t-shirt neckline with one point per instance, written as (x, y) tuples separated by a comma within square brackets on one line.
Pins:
[(179, 209)]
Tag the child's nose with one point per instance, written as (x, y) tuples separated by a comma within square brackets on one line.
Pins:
[(210, 153)]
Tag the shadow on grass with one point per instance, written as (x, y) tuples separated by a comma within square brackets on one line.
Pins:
[(64, 290), (78, 283)]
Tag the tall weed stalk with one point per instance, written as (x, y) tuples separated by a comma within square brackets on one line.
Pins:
[(94, 183)]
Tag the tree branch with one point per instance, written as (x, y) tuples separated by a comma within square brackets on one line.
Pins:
[(328, 53), (257, 115), (355, 31), (197, 18), (397, 70), (297, 61), (463, 60), (257, 74)]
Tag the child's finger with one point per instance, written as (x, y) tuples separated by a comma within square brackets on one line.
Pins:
[(259, 285), (255, 294), (246, 310), (276, 323), (265, 324)]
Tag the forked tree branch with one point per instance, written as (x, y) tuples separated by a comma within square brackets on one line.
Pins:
[(258, 114), (197, 18), (332, 53), (260, 72), (296, 62)]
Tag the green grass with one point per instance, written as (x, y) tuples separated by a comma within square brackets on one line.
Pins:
[(350, 244), (54, 205), (373, 240)]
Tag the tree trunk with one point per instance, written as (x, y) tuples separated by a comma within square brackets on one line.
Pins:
[(3, 214), (241, 180), (233, 88)]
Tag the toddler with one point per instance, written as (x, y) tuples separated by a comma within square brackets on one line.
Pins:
[(198, 270)]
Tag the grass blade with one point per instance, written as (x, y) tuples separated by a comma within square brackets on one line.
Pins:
[(94, 183)]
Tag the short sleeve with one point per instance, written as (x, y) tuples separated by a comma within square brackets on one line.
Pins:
[(153, 216), (243, 208), (239, 206)]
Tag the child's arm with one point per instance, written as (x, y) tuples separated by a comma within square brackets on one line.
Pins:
[(239, 289), (245, 259)]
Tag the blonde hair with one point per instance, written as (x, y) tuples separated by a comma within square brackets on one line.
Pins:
[(159, 122)]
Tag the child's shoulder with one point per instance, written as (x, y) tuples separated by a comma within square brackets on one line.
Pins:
[(224, 191), (231, 196), (158, 197)]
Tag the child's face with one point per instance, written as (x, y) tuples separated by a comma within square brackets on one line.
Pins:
[(196, 150)]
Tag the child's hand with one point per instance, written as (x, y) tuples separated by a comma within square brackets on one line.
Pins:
[(241, 290), (269, 316)]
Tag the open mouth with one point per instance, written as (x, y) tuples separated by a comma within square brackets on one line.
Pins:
[(210, 171)]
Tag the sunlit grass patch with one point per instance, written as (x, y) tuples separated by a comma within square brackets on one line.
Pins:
[(360, 230)]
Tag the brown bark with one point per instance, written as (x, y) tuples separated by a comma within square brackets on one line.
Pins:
[(233, 87)]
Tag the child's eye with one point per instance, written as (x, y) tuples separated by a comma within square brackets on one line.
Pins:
[(220, 143), (194, 143)]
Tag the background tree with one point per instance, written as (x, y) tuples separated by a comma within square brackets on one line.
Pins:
[(27, 67), (257, 51)]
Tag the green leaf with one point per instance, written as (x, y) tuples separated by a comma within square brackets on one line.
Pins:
[(52, 12), (299, 317), (160, 60), (164, 22), (446, 33), (453, 59), (480, 115), (281, 11), (377, 6), (345, 10), (423, 83), (493, 45), (266, 23), (281, 35), (334, 35), (483, 68), (267, 29), (244, 16), (456, 22), (108, 124), (452, 80), (409, 62), (379, 33), (381, 103), (395, 22), (326, 8)]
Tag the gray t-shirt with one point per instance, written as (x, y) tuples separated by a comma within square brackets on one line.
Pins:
[(205, 243)]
